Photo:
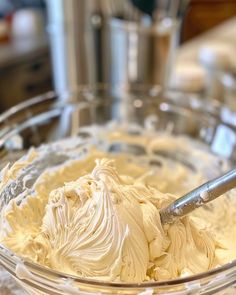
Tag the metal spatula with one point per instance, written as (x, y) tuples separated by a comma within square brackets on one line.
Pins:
[(201, 195)]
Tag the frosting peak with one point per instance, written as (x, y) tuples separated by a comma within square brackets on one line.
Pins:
[(93, 227)]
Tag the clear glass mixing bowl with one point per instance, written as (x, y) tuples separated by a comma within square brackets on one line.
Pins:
[(48, 117)]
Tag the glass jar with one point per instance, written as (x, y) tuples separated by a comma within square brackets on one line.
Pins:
[(48, 117)]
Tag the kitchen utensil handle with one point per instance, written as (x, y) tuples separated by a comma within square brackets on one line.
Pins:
[(198, 197)]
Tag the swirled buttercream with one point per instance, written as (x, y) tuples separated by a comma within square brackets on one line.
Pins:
[(98, 217)]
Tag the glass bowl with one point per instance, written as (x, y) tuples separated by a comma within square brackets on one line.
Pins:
[(49, 117)]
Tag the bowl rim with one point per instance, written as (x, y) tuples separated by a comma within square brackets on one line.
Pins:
[(54, 274)]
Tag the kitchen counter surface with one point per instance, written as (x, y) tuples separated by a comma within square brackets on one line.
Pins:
[(19, 50)]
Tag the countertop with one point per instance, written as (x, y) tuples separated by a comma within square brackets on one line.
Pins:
[(19, 50)]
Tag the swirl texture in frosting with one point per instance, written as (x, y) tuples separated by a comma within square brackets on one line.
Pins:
[(106, 225)]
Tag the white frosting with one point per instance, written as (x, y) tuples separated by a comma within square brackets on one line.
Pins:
[(98, 216)]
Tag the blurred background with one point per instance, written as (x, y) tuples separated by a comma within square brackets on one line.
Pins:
[(58, 45)]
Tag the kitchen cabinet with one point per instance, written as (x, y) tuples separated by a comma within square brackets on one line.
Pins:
[(203, 15)]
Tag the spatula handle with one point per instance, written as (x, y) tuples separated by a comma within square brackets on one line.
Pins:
[(198, 197)]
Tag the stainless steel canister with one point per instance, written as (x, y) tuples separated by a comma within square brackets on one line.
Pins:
[(119, 42)]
